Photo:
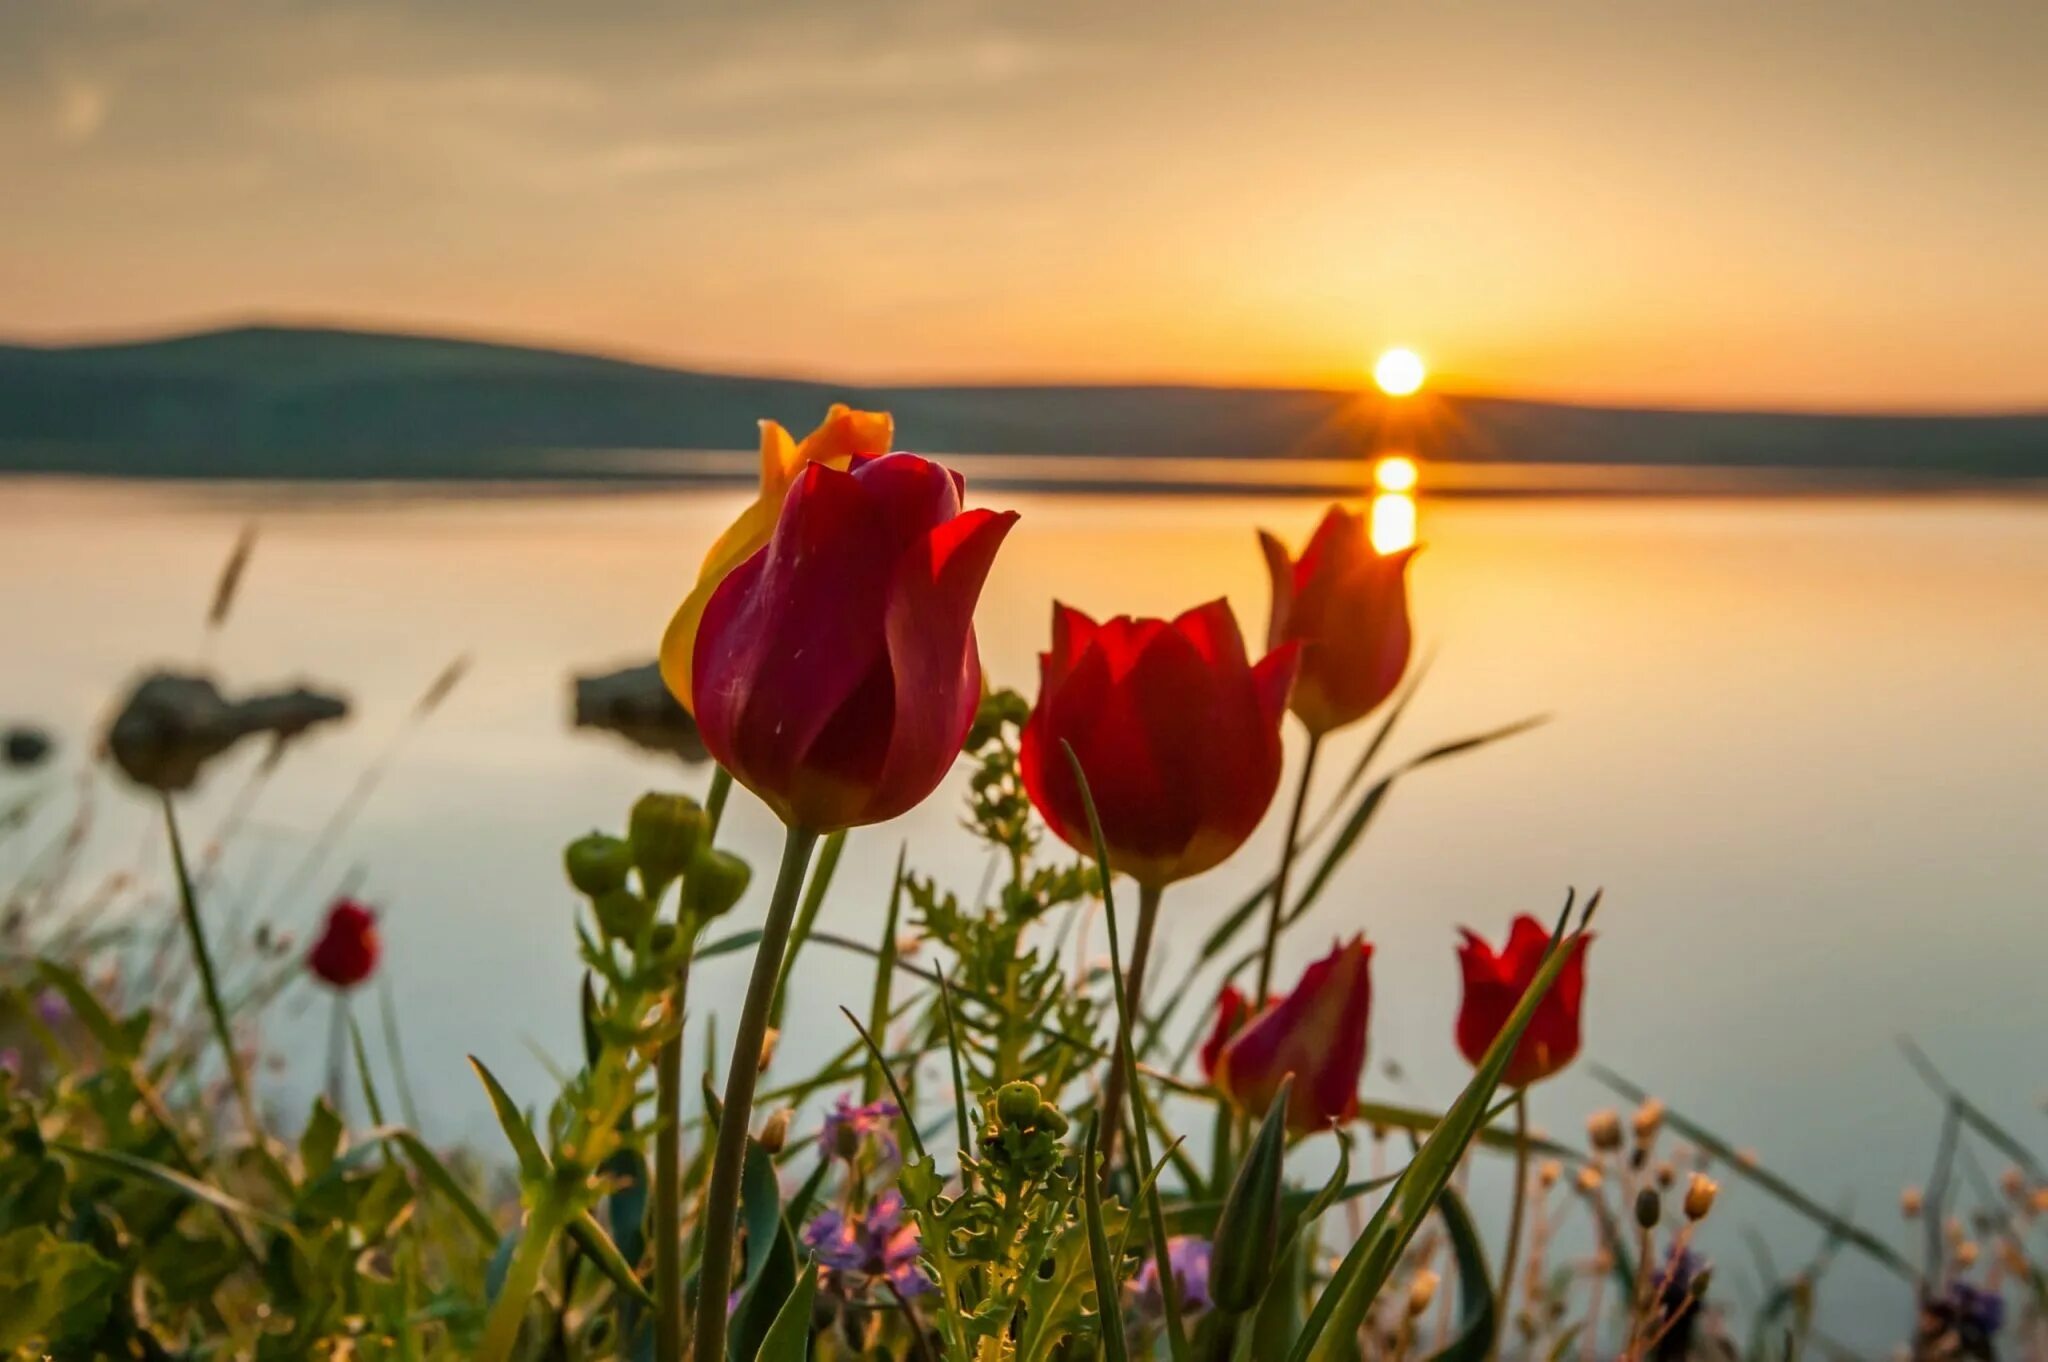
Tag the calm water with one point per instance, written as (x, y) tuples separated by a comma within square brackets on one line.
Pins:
[(1800, 742)]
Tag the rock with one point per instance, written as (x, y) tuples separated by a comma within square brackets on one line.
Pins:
[(24, 747), (634, 703), (173, 725)]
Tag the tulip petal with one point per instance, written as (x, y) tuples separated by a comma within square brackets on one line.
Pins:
[(1317, 1033), (792, 632), (929, 633), (1280, 569)]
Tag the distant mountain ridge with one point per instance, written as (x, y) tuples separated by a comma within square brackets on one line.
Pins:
[(284, 402)]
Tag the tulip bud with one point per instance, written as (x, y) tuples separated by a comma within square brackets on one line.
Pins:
[(1699, 1196), (622, 913), (1603, 1130), (1649, 1208), (1421, 1291), (775, 1131), (598, 864), (715, 882), (665, 830), (1247, 1238), (1909, 1203), (1647, 1121)]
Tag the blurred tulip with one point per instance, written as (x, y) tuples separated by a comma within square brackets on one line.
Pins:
[(1317, 1033), (1494, 984), (836, 671), (844, 435), (1231, 1009), (1178, 734), (346, 953), (1346, 604)]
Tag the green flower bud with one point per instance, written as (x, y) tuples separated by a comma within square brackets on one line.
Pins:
[(666, 831), (1017, 1103), (622, 913), (714, 884), (598, 864), (1649, 1208)]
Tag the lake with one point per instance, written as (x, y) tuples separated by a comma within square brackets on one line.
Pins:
[(1799, 741)]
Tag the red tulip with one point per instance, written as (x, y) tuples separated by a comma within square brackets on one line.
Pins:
[(1316, 1033), (1494, 984), (1346, 603), (835, 672), (1231, 1008), (347, 951), (1178, 735)]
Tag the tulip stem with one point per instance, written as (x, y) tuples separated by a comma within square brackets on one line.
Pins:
[(1506, 1294), (1134, 997), (1276, 916), (722, 1197), (668, 1180)]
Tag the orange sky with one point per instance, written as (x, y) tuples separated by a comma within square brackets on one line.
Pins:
[(1822, 203)]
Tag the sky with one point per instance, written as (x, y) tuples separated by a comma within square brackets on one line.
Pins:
[(1804, 203)]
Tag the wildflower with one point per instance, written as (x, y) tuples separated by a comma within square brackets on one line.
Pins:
[(1590, 1178), (1699, 1196), (1683, 1285), (1421, 1291), (1189, 1257), (1317, 1033), (1495, 983), (835, 672), (1177, 732), (849, 1127), (844, 435), (1347, 605), (1962, 1321), (1648, 1120), (346, 953), (1603, 1130), (878, 1244)]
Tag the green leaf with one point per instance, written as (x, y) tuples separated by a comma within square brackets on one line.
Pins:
[(435, 1174), (533, 1161), (1247, 1239), (885, 974), (760, 1207), (1348, 1296), (789, 1337), (122, 1043), (128, 1165), (591, 1237), (1107, 1272), (50, 1290), (765, 1294), (1476, 1307), (369, 1084), (321, 1140), (902, 1102)]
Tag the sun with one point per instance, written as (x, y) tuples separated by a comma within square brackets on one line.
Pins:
[(1399, 372)]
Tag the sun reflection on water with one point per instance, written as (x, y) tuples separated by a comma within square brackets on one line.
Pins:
[(1393, 504)]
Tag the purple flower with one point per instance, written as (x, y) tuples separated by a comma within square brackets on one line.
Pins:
[(848, 1127), (1961, 1322), (1189, 1256), (52, 1007), (879, 1243)]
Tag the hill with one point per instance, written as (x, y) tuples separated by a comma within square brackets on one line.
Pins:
[(298, 402)]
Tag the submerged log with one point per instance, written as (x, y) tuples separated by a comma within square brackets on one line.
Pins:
[(174, 724)]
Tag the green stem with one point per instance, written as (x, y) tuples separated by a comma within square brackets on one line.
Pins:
[(522, 1279), (1277, 912), (722, 1198), (209, 982), (668, 1183), (1506, 1295), (1134, 997)]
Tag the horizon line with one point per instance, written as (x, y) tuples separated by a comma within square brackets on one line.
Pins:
[(392, 329)]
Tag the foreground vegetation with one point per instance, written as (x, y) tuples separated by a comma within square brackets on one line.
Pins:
[(1013, 1156)]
